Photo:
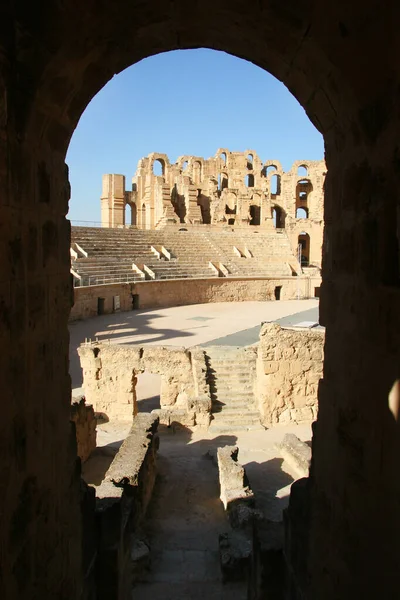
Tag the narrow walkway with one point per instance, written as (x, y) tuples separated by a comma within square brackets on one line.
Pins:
[(184, 521)]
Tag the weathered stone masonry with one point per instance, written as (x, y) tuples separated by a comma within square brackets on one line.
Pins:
[(52, 63), (231, 188)]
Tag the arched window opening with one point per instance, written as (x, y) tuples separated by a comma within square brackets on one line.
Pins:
[(159, 167), (302, 213), (255, 215), (128, 215), (275, 185), (184, 165), (249, 180), (303, 189), (204, 203), (302, 171), (268, 170), (250, 161), (197, 172), (304, 249), (223, 157), (278, 217), (222, 181)]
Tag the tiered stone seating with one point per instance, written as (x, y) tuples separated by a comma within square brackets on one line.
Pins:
[(111, 254), (271, 252)]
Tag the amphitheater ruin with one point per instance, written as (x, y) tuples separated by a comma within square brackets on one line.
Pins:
[(255, 228), (340, 538), (226, 229)]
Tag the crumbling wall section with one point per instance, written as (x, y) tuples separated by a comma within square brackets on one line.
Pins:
[(84, 418), (121, 504), (110, 376), (289, 367)]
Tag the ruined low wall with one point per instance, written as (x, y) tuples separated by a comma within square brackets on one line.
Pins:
[(110, 377), (179, 292), (121, 503), (289, 367), (85, 427)]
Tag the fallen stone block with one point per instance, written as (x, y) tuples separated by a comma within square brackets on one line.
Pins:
[(296, 453), (234, 486)]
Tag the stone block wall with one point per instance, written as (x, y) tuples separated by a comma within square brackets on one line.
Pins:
[(85, 427), (289, 368), (178, 292)]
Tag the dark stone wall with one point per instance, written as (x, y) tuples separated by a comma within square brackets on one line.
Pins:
[(341, 62)]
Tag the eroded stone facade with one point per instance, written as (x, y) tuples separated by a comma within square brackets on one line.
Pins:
[(231, 188), (284, 380), (289, 368)]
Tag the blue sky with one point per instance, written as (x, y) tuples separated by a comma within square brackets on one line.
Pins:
[(184, 102)]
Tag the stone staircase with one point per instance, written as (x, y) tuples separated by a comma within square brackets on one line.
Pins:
[(231, 375)]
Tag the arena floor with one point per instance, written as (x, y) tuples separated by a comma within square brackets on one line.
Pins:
[(233, 323)]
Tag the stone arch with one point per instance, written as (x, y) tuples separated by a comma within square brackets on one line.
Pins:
[(304, 188), (73, 52), (158, 167), (130, 213), (302, 170), (278, 216)]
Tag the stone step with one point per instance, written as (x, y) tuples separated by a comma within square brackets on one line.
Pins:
[(233, 411), (216, 427), (241, 383)]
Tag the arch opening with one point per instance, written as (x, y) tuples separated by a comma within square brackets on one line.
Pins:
[(255, 215), (278, 217), (159, 167), (304, 249), (249, 180), (302, 213), (275, 185), (302, 171)]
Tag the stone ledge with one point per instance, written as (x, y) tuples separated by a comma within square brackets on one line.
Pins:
[(296, 453), (121, 504)]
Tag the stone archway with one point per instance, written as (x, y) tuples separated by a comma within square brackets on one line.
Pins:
[(50, 69)]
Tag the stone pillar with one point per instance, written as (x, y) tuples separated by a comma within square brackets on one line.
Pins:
[(113, 201)]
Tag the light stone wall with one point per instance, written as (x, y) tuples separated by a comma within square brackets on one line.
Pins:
[(110, 377), (178, 292), (289, 368), (216, 191)]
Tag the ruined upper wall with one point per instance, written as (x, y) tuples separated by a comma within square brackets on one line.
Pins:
[(235, 188)]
